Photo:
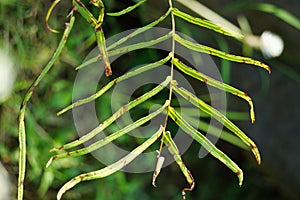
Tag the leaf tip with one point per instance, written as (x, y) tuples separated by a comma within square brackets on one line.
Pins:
[(240, 177), (256, 153), (50, 161), (59, 113), (159, 164), (70, 184), (268, 69)]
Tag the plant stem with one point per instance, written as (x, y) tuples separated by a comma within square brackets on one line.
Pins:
[(21, 118)]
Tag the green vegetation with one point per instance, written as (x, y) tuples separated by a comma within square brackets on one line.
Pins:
[(39, 129)]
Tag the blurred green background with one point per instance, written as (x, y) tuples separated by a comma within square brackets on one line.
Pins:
[(24, 36)]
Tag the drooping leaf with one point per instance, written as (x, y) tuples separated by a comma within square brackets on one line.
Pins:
[(111, 168), (211, 51), (218, 116), (110, 138), (217, 84), (176, 155), (201, 139)]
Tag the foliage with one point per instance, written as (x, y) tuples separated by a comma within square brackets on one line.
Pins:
[(96, 24), (36, 117)]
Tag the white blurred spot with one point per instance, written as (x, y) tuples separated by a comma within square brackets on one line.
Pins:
[(7, 76), (4, 184), (271, 44)]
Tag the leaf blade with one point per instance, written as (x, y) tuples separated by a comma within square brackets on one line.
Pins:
[(219, 117), (126, 10), (111, 168), (217, 84), (113, 82), (108, 138), (127, 49), (220, 54), (115, 116), (203, 23), (172, 148), (201, 139)]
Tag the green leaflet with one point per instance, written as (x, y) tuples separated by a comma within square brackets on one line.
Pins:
[(212, 149), (115, 81), (201, 22), (212, 82), (127, 10), (220, 54), (110, 138), (127, 49), (139, 30), (218, 116), (85, 13), (212, 16), (111, 168), (115, 116), (21, 118), (176, 155)]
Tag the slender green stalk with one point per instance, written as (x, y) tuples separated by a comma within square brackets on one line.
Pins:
[(111, 168), (201, 139), (49, 14), (21, 118), (115, 116), (172, 53), (127, 10)]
